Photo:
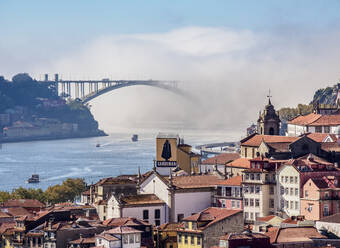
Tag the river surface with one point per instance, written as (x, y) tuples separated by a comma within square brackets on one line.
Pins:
[(57, 160)]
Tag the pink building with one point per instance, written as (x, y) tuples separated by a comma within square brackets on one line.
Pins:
[(320, 197), (229, 193)]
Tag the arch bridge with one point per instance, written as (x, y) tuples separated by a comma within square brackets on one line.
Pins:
[(86, 90)]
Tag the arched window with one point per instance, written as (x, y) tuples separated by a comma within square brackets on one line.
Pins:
[(271, 131)]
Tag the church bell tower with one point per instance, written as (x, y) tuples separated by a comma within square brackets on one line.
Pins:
[(269, 120)]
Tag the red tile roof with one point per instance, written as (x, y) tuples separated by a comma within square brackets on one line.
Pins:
[(305, 119), (124, 221), (212, 215), (234, 181), (257, 139), (122, 229), (316, 120), (16, 211), (25, 203), (320, 137), (240, 163), (266, 218), (222, 158), (330, 146), (297, 234), (88, 240), (143, 199), (195, 181)]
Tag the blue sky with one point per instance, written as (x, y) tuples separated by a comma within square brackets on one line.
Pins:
[(83, 19), (240, 47)]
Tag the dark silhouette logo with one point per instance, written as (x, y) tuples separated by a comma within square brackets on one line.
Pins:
[(166, 153)]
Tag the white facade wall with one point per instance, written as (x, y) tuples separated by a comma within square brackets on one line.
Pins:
[(191, 202), (285, 175), (107, 244), (137, 212), (330, 227), (296, 130), (154, 185)]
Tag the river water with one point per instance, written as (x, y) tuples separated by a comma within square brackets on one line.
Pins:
[(57, 160)]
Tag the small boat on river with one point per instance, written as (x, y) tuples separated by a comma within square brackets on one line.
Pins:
[(134, 138), (33, 179)]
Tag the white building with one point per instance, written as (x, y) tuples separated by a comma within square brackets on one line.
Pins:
[(119, 237), (183, 195), (147, 207), (314, 123), (288, 188)]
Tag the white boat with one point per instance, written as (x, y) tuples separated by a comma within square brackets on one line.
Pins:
[(33, 179)]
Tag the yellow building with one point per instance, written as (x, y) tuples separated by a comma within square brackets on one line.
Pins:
[(7, 234), (166, 235), (205, 228), (171, 152)]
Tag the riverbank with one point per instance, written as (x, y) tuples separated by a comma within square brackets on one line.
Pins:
[(98, 133)]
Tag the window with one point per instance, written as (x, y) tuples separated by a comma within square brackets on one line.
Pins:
[(306, 193), (246, 189), (180, 217), (185, 239), (157, 222), (257, 215), (286, 179), (125, 239), (282, 179), (157, 213), (271, 190), (326, 129), (246, 215), (291, 191), (251, 202), (296, 179), (296, 205), (179, 238), (252, 177), (237, 192), (286, 204), (223, 203), (257, 189), (271, 203), (232, 204), (267, 177), (131, 238), (238, 204), (257, 203), (247, 176), (291, 179), (223, 191), (291, 205), (192, 238), (286, 191), (198, 241), (282, 190), (137, 238), (246, 202), (251, 189), (296, 191), (318, 129), (258, 177), (146, 214), (325, 210), (251, 216)]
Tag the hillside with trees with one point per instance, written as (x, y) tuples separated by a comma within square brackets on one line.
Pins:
[(30, 95)]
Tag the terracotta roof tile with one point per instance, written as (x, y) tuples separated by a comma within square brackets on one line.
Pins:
[(305, 119), (169, 226), (195, 181), (124, 221), (86, 240), (327, 120), (256, 140), (122, 229), (266, 218), (212, 215), (234, 181), (240, 163), (146, 199), (330, 146), (222, 158), (16, 211), (320, 137), (297, 234), (25, 203)]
